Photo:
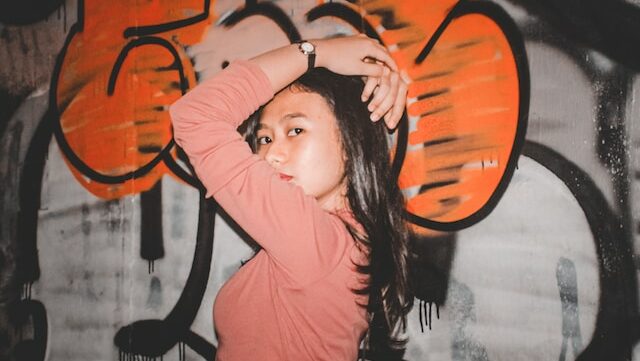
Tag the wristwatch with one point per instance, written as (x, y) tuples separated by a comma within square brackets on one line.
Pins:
[(309, 50)]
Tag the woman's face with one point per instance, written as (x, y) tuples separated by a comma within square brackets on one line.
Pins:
[(299, 138)]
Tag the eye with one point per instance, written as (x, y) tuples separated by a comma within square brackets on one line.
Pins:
[(264, 140), (295, 131)]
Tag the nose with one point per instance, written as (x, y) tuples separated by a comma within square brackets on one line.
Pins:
[(276, 154)]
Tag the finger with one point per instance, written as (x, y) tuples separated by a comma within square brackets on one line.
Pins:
[(390, 98), (369, 86), (398, 107), (395, 115), (380, 93), (371, 69)]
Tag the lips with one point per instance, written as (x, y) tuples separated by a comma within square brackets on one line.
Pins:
[(285, 177)]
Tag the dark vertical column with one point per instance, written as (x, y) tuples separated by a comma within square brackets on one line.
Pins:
[(612, 96), (152, 243)]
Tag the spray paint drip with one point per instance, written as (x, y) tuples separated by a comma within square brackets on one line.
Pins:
[(424, 310), (26, 290), (125, 356), (147, 338)]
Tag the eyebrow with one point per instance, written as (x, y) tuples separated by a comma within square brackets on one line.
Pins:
[(294, 115), (286, 117)]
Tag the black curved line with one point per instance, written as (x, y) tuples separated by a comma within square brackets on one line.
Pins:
[(603, 25), (513, 37), (401, 146), (55, 111), (618, 321), (185, 310), (55, 76), (150, 40), (73, 158), (179, 172), (183, 313), (27, 263), (346, 13), (103, 178), (153, 338), (200, 345), (160, 28), (453, 13), (268, 10)]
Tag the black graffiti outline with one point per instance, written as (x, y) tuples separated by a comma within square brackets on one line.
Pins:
[(268, 10), (191, 297), (590, 223), (28, 267), (617, 324), (152, 337), (71, 155), (397, 160), (164, 155), (252, 8), (512, 34), (609, 27)]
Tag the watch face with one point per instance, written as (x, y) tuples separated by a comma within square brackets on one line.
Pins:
[(307, 47)]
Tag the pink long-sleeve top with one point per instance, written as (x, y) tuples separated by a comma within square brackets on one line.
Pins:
[(294, 300)]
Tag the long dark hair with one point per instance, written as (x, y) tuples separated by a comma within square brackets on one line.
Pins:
[(377, 204)]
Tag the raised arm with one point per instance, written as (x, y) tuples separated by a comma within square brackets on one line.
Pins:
[(288, 224), (353, 55)]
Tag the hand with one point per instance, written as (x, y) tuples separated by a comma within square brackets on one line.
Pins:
[(353, 55), (389, 96), (361, 55)]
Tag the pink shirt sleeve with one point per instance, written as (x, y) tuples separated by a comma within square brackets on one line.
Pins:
[(305, 241)]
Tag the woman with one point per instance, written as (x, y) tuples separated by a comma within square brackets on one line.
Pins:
[(316, 195)]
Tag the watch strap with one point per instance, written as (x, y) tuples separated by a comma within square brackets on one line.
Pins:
[(311, 61), (311, 56)]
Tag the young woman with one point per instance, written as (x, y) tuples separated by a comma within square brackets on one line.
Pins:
[(316, 193)]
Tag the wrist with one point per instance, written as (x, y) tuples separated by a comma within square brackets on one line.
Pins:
[(308, 49), (319, 61)]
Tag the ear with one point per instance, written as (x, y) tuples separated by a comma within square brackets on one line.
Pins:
[(467, 111)]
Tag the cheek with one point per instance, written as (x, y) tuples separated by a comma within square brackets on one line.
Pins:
[(325, 152), (333, 160), (261, 151), (337, 155)]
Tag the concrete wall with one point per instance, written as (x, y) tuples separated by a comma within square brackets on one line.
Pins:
[(107, 249)]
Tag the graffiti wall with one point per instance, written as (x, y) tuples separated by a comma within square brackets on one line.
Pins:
[(519, 156)]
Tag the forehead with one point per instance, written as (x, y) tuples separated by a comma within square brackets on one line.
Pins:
[(312, 105)]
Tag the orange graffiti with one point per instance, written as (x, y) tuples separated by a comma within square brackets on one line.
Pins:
[(463, 106), (463, 103), (117, 133)]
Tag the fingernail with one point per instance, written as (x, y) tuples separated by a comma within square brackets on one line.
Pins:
[(364, 98), (370, 107), (374, 117)]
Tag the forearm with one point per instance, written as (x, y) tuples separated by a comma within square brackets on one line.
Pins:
[(283, 65)]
